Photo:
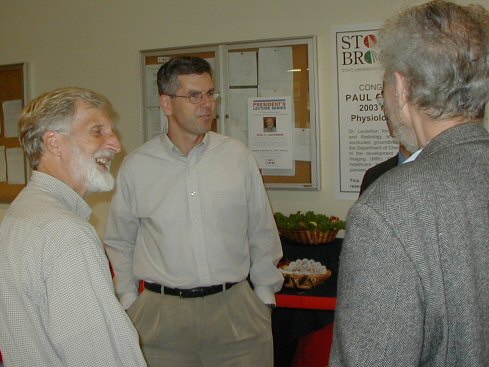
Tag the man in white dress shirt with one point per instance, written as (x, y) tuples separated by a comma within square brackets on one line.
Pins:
[(192, 219)]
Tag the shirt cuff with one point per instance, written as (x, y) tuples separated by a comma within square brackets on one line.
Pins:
[(266, 295), (127, 299)]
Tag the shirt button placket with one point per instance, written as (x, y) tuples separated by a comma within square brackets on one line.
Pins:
[(198, 241)]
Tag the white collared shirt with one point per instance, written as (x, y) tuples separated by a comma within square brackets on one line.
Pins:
[(413, 156), (192, 221)]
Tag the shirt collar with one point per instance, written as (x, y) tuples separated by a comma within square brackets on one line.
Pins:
[(401, 158), (62, 192), (413, 156), (173, 149)]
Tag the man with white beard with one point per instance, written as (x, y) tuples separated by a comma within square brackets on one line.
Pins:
[(58, 306)]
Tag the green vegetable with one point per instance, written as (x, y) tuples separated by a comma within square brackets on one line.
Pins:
[(308, 221)]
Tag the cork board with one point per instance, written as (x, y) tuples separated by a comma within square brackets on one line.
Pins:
[(12, 99), (303, 93)]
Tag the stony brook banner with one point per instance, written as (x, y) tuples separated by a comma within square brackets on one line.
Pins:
[(363, 137)]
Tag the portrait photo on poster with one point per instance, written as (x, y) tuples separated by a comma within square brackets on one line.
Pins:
[(269, 124)]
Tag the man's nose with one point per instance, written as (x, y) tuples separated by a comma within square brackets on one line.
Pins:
[(113, 143)]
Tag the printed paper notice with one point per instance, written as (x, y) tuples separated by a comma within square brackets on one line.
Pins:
[(11, 115), (156, 122), (15, 166), (238, 113), (270, 131), (274, 72), (3, 165), (242, 69), (302, 144), (152, 95)]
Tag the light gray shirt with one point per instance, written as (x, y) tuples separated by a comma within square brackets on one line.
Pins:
[(191, 221), (57, 303)]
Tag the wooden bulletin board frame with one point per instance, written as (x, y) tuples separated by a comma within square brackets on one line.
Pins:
[(13, 86), (305, 173)]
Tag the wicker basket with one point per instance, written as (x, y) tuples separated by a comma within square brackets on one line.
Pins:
[(305, 281), (309, 237)]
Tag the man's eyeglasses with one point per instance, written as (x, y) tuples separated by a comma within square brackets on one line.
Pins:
[(197, 97), (380, 100)]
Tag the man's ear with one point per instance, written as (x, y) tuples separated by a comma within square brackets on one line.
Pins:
[(165, 103), (51, 141), (401, 88)]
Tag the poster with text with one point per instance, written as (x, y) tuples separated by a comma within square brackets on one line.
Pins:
[(363, 137), (270, 132)]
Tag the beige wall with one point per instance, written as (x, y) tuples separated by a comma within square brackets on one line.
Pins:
[(96, 44)]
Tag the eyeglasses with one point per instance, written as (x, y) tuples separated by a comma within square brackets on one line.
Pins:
[(197, 97), (380, 100)]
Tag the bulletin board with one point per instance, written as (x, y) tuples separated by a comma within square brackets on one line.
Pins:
[(267, 71), (13, 94)]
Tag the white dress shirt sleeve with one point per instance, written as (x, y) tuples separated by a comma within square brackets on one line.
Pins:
[(264, 241), (120, 241)]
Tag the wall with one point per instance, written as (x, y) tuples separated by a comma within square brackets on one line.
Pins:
[(96, 44)]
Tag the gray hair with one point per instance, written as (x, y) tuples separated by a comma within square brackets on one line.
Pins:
[(55, 111), (441, 48)]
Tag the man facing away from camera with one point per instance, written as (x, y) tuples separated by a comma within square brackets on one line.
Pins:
[(414, 270), (57, 304), (192, 219), (378, 170)]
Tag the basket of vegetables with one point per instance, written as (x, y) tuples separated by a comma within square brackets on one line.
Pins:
[(308, 228)]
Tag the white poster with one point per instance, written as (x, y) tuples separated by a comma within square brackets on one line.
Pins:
[(152, 95), (363, 138), (237, 126), (3, 164), (275, 77), (15, 166), (11, 115), (243, 69), (270, 132)]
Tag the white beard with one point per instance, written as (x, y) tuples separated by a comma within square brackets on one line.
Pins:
[(87, 170)]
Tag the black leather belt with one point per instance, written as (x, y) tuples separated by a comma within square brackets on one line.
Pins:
[(188, 293)]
